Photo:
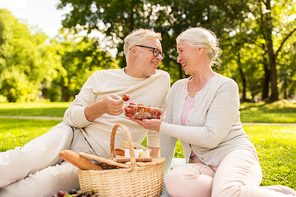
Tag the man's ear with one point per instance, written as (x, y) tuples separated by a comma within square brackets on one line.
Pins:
[(133, 50)]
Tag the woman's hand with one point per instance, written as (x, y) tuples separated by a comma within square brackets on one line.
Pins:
[(151, 124)]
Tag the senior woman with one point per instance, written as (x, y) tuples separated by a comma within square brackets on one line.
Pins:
[(203, 112)]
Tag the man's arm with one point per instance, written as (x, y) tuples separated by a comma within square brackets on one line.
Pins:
[(111, 105)]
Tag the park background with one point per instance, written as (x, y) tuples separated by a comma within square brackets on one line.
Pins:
[(257, 38), (41, 74)]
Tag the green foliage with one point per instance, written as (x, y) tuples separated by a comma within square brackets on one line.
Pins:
[(16, 86), (3, 99), (79, 58), (30, 63), (23, 63), (247, 30), (257, 39)]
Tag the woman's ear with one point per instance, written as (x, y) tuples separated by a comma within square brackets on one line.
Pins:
[(201, 50)]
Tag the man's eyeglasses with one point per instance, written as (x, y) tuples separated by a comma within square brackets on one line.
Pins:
[(155, 51)]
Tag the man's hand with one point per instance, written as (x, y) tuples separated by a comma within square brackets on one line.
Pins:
[(112, 105), (151, 124)]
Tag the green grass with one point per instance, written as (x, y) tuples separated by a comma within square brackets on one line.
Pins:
[(17, 132), (278, 112), (276, 148), (56, 109), (276, 145)]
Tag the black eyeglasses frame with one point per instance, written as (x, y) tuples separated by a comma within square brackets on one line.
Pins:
[(155, 51)]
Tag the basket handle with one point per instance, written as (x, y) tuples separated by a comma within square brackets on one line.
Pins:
[(130, 144)]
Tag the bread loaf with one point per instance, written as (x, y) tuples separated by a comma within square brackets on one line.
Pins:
[(78, 161)]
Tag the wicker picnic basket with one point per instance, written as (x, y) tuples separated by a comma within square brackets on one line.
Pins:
[(140, 181)]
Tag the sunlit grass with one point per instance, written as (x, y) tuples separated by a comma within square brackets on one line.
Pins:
[(55, 109), (282, 111), (17, 132), (276, 147)]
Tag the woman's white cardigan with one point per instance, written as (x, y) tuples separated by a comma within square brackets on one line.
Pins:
[(213, 127)]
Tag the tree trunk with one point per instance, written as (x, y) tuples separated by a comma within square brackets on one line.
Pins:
[(273, 73), (243, 99), (265, 91), (266, 80), (272, 56)]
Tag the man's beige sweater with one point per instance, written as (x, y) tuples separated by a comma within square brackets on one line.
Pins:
[(152, 91)]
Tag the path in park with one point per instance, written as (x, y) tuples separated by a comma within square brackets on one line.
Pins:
[(61, 118)]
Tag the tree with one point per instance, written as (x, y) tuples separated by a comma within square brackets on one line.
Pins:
[(236, 22), (79, 58), (23, 64), (116, 19), (269, 14)]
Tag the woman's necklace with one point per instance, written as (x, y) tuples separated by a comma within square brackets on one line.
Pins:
[(193, 89)]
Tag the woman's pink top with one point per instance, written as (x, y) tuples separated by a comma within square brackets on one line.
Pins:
[(188, 105)]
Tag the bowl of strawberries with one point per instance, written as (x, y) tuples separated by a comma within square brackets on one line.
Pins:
[(141, 111)]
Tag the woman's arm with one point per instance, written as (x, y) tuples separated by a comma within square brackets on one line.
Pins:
[(221, 114)]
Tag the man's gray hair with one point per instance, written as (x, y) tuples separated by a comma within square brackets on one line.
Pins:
[(137, 37)]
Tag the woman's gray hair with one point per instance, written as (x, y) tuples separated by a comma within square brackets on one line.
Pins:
[(138, 36), (200, 37)]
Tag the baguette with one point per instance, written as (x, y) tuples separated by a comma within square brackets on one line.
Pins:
[(78, 161)]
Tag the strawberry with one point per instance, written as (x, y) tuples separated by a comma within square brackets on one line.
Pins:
[(145, 116), (140, 105), (159, 111), (127, 109), (133, 109), (152, 111), (146, 109), (136, 115), (141, 117), (141, 111), (125, 97)]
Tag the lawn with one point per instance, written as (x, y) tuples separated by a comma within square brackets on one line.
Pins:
[(278, 112), (17, 132), (55, 109), (276, 145), (276, 148)]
